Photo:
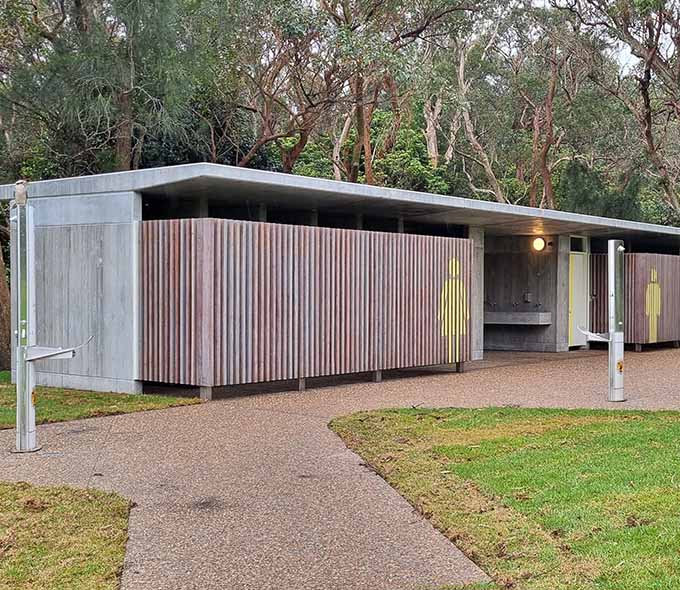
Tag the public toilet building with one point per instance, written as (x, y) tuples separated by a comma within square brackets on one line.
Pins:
[(206, 275)]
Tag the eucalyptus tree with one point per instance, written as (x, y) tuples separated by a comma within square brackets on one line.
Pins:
[(379, 42), (293, 78), (546, 79), (647, 81)]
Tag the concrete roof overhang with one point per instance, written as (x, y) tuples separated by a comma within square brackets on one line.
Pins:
[(233, 185)]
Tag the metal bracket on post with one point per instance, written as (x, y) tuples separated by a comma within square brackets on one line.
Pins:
[(614, 338), (41, 353), (21, 217)]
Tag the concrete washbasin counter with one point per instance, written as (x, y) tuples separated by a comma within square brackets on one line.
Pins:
[(518, 318)]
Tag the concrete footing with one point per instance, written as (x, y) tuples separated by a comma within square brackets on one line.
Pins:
[(206, 393), (376, 376), (86, 382)]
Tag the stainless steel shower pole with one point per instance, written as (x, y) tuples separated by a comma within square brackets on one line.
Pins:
[(615, 263), (24, 329)]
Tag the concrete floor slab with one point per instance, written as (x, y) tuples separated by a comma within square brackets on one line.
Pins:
[(255, 492)]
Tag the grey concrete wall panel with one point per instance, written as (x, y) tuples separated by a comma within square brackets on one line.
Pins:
[(85, 287), (476, 235), (88, 383), (229, 302), (561, 311), (122, 207)]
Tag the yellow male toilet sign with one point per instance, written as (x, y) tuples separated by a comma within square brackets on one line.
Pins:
[(653, 305), (454, 312)]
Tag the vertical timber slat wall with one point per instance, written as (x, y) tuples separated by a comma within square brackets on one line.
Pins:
[(230, 302), (652, 297)]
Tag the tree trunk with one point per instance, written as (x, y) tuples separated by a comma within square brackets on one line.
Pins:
[(245, 160), (391, 138), (138, 149), (453, 135), (432, 112), (469, 129), (5, 319), (548, 191), (290, 156), (353, 168), (483, 158), (535, 151), (124, 135), (337, 147), (368, 148), (8, 131), (82, 16), (645, 119), (546, 176)]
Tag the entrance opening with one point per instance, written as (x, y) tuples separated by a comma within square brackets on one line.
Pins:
[(578, 291)]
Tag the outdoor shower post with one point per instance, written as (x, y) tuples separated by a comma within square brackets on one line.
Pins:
[(24, 330), (26, 351), (614, 338), (615, 263)]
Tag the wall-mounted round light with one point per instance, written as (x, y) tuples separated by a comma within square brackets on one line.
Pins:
[(538, 244)]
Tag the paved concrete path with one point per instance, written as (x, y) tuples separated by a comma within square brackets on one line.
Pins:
[(255, 492)]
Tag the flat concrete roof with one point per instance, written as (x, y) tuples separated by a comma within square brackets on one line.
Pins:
[(233, 185)]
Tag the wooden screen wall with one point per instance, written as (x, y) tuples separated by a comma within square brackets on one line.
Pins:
[(228, 302), (652, 297)]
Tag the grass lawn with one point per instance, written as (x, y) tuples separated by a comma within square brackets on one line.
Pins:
[(61, 538), (540, 499), (56, 405)]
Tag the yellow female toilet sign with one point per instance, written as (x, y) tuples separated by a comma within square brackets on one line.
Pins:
[(653, 305), (453, 310)]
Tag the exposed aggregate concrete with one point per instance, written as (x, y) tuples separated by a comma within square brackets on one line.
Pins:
[(255, 492)]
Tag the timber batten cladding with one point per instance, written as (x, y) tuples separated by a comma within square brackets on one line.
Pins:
[(230, 302), (652, 297)]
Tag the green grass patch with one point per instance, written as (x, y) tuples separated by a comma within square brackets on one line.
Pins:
[(53, 404), (57, 538), (540, 499)]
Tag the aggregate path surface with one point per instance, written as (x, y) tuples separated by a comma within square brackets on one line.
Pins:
[(255, 492)]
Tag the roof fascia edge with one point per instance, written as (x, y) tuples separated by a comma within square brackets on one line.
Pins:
[(140, 180)]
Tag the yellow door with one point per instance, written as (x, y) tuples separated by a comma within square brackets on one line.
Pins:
[(578, 298)]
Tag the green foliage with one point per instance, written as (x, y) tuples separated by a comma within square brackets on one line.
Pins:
[(314, 160), (654, 209), (109, 66), (37, 164), (57, 405), (60, 537), (407, 165), (187, 81), (582, 190)]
